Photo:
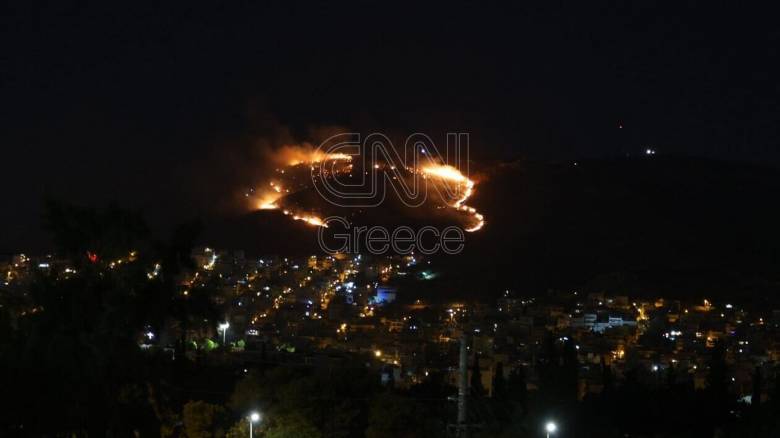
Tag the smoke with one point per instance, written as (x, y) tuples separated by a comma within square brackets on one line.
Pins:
[(270, 168), (446, 187)]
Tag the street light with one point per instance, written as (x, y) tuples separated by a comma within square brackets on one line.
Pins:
[(254, 417), (550, 427), (223, 326)]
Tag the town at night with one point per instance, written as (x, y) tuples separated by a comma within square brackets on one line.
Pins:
[(389, 221)]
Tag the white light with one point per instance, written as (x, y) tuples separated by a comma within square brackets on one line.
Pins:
[(550, 427), (224, 325), (254, 417)]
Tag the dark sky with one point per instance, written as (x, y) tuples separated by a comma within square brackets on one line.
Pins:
[(126, 102)]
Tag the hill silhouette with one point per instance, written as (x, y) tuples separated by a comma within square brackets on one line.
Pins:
[(657, 225)]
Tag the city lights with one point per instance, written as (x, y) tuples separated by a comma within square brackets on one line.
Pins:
[(223, 327), (254, 417), (460, 219)]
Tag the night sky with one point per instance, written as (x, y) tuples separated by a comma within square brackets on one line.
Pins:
[(135, 103)]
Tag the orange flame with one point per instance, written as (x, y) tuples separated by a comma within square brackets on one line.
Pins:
[(291, 156), (466, 189)]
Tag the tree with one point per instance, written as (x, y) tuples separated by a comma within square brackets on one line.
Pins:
[(757, 383), (83, 341), (393, 416), (499, 383), (249, 393), (607, 378), (717, 378), (671, 377), (776, 387), (331, 401), (239, 430), (570, 370), (293, 425), (477, 389), (517, 387), (203, 420), (718, 399)]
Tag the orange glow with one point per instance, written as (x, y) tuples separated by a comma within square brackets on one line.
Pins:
[(290, 156), (459, 187), (309, 219), (298, 156), (465, 190)]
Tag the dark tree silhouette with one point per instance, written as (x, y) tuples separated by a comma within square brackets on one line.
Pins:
[(757, 384), (499, 383), (607, 378), (77, 360), (477, 389), (517, 387)]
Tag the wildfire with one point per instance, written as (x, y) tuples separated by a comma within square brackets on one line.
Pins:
[(269, 204), (314, 156), (465, 190), (269, 198), (446, 172), (288, 158), (459, 187), (308, 218)]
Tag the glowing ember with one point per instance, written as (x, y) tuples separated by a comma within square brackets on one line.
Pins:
[(446, 172), (290, 157), (309, 219), (268, 199), (315, 156), (466, 189), (267, 206)]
